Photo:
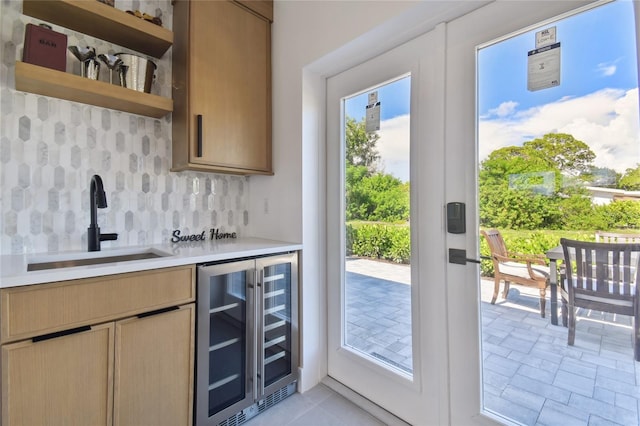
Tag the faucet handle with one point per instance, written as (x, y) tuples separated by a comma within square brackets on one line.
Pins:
[(108, 237)]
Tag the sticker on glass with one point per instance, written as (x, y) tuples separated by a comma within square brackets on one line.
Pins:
[(372, 117)]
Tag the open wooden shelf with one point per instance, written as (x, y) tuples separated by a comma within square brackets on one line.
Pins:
[(49, 82), (103, 22)]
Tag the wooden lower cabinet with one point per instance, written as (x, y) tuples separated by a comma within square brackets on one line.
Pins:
[(136, 369), (62, 381), (153, 383)]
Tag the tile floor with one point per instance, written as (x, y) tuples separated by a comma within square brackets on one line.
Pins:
[(319, 406)]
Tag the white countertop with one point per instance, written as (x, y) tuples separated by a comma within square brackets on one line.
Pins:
[(13, 268)]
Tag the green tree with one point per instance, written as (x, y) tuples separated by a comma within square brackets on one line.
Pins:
[(631, 179), (562, 152), (371, 195), (520, 186), (361, 146), (379, 197)]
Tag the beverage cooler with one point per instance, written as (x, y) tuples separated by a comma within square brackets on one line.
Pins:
[(247, 346)]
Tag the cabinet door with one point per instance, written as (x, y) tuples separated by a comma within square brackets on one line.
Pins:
[(154, 362), (63, 380), (230, 86)]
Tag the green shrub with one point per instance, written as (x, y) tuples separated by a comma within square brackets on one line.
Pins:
[(621, 214), (379, 241), (400, 251)]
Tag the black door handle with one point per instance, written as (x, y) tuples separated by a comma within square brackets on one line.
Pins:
[(459, 257)]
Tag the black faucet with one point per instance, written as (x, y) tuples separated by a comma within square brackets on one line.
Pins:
[(98, 200)]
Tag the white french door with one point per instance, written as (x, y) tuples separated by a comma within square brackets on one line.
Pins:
[(443, 385), (408, 315)]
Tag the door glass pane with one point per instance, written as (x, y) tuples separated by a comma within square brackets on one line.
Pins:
[(277, 322), (227, 343), (377, 290), (558, 159)]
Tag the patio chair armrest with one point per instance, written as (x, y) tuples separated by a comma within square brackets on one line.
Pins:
[(529, 258)]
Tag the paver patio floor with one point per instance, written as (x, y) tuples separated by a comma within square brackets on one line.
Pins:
[(530, 374)]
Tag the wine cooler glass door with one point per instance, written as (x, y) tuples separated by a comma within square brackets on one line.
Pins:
[(223, 360), (277, 311)]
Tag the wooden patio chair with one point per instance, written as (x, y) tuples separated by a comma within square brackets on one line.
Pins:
[(510, 267), (602, 277), (612, 237)]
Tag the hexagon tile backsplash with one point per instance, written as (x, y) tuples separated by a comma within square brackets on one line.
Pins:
[(50, 148)]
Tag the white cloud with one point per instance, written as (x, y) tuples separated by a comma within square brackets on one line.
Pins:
[(606, 120), (607, 69), (393, 146), (504, 109)]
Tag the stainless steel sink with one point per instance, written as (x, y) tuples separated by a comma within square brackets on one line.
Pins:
[(58, 261)]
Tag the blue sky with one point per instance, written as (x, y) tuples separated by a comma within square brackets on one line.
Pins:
[(596, 102), (597, 51), (394, 99), (393, 145)]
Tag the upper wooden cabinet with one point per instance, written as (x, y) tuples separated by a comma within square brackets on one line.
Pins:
[(221, 88)]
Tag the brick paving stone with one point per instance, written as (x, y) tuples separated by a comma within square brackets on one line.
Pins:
[(627, 402), (523, 397), (595, 420), (526, 333), (546, 390), (554, 413), (537, 374), (599, 360), (604, 410), (518, 344), (579, 367), (574, 383), (617, 386), (616, 374), (494, 379), (501, 365), (542, 350), (510, 409), (495, 349), (604, 395)]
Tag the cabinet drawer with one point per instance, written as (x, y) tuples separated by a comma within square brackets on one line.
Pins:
[(45, 308)]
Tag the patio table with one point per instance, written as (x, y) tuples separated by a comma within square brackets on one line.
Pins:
[(554, 255)]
